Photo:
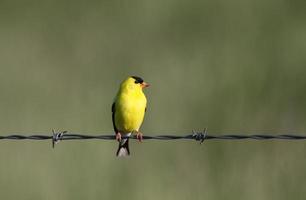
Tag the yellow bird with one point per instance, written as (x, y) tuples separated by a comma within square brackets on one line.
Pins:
[(128, 111)]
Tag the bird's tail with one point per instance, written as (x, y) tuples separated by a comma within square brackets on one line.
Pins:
[(123, 148)]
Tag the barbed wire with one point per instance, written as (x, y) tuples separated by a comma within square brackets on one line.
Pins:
[(198, 136)]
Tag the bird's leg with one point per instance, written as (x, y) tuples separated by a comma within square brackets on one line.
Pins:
[(118, 136), (139, 136)]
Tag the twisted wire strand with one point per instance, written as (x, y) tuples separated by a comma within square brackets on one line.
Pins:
[(199, 136)]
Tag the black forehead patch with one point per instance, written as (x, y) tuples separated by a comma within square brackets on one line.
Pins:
[(137, 79)]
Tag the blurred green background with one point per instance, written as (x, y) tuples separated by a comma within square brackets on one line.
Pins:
[(232, 66)]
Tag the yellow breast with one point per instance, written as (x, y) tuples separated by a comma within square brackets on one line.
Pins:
[(130, 110)]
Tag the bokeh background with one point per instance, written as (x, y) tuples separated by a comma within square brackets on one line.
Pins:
[(232, 66)]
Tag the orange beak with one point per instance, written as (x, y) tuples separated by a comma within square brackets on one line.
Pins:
[(144, 85)]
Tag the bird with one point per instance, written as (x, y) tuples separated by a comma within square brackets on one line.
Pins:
[(128, 111)]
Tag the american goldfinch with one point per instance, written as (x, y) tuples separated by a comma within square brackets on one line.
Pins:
[(128, 111)]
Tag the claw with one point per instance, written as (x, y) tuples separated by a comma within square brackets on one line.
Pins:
[(118, 137), (139, 136)]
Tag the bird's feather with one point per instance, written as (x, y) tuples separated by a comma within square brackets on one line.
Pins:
[(113, 117)]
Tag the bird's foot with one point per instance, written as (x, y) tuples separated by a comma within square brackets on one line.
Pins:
[(118, 137), (139, 136)]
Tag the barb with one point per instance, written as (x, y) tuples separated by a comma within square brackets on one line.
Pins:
[(198, 136), (57, 136)]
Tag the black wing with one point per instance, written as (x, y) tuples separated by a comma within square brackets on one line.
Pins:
[(113, 117)]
